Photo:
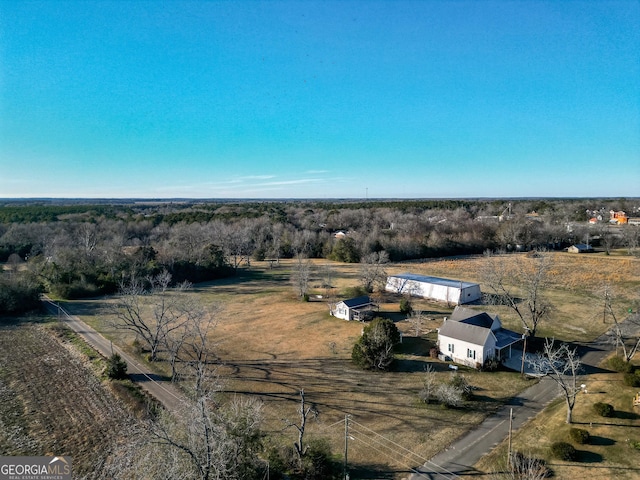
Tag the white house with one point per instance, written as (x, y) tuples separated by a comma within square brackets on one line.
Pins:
[(471, 337), (580, 248), (456, 292), (353, 309)]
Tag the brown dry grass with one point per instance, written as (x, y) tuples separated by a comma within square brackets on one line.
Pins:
[(576, 281), (610, 456), (271, 344)]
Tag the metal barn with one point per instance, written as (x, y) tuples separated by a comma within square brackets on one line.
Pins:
[(455, 292)]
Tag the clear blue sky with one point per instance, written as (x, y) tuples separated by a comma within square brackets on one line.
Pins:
[(299, 99)]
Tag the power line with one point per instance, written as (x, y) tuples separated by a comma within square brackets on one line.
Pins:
[(133, 364)]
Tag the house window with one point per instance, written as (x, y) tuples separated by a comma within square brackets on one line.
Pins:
[(450, 347), (471, 353)]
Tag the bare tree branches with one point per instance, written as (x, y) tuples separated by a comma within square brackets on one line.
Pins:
[(625, 334), (562, 365), (372, 272), (530, 275), (301, 274), (152, 314), (304, 411)]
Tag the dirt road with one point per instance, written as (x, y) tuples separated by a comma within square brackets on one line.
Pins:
[(162, 390)]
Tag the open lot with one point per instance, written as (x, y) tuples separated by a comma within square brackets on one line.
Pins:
[(271, 344)]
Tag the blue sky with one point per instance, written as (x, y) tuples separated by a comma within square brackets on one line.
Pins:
[(327, 99)]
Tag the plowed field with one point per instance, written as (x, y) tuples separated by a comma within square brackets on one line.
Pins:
[(51, 402)]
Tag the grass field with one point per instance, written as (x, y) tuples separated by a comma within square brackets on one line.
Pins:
[(271, 345), (611, 454), (51, 401)]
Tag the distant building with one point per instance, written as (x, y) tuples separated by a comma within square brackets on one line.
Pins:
[(456, 292), (580, 248), (618, 217)]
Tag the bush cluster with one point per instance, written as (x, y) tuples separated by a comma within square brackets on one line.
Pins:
[(619, 364), (603, 409), (579, 435), (405, 306), (563, 451), (632, 379)]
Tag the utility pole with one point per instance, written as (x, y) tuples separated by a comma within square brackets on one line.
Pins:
[(510, 427), (346, 447), (524, 349)]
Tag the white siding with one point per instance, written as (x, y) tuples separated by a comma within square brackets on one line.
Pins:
[(441, 292), (459, 351)]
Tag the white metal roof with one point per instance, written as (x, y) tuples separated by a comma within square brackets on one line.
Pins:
[(435, 280)]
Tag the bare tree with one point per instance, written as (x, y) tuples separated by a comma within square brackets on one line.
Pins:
[(625, 334), (562, 365), (301, 274), (631, 238), (305, 411), (511, 277), (198, 350), (416, 319), (429, 385), (523, 467), (372, 270), (152, 314), (213, 441)]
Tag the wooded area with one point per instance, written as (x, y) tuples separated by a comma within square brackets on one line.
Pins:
[(74, 249)]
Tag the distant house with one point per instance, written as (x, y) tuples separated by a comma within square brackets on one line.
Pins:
[(580, 248), (619, 217), (339, 234), (359, 309), (471, 337), (456, 292)]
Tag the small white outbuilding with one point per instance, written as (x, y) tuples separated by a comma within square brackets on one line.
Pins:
[(455, 292)]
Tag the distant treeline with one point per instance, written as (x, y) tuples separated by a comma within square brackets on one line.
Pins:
[(80, 249)]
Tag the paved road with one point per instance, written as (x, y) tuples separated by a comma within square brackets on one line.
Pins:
[(458, 459), (164, 391)]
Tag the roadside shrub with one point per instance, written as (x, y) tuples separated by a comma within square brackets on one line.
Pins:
[(116, 367), (405, 306), (603, 409), (563, 451), (579, 435), (632, 379), (528, 467), (634, 444), (318, 462), (618, 364)]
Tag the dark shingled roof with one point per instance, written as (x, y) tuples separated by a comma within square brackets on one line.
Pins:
[(472, 317), (357, 302)]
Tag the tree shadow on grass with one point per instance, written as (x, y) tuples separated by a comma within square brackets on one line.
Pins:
[(585, 456), (601, 441), (622, 415)]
